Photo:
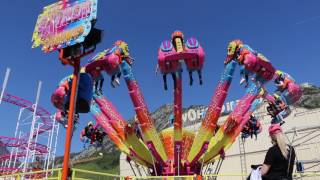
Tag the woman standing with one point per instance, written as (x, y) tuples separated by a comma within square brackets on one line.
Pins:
[(279, 160)]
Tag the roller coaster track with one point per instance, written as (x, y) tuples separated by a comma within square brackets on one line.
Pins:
[(22, 143), (42, 113)]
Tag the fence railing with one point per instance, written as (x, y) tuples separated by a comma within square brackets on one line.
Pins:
[(80, 174), (54, 174)]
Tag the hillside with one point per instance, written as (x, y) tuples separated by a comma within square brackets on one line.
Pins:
[(108, 163), (311, 96)]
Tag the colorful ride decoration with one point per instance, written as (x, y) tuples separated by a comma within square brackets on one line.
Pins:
[(69, 28), (261, 72), (176, 150), (61, 97), (171, 55), (64, 24), (173, 52)]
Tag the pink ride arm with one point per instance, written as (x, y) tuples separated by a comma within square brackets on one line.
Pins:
[(104, 122), (112, 62), (124, 131), (103, 62), (109, 61), (171, 54), (258, 65), (127, 145), (150, 133), (294, 93), (208, 125), (178, 120), (116, 120), (234, 123)]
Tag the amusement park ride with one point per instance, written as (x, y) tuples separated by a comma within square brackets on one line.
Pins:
[(173, 151), (27, 149), (176, 151)]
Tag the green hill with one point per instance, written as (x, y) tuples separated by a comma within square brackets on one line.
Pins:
[(101, 163), (109, 163)]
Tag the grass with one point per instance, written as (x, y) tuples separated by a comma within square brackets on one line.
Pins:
[(109, 163)]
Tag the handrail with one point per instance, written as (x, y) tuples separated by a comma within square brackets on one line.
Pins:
[(75, 171), (31, 173)]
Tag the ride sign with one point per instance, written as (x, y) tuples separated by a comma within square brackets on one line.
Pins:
[(62, 25)]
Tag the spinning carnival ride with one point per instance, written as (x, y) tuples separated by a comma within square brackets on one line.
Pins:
[(175, 151)]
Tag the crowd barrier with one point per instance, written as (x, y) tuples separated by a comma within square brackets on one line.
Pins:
[(80, 174)]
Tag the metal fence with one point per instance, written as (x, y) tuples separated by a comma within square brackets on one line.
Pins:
[(80, 174)]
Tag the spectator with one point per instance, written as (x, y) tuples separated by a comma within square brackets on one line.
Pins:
[(279, 160)]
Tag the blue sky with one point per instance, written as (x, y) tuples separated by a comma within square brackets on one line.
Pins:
[(285, 31)]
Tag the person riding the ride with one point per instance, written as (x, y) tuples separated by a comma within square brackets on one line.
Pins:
[(282, 80), (252, 127), (278, 110), (87, 133)]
